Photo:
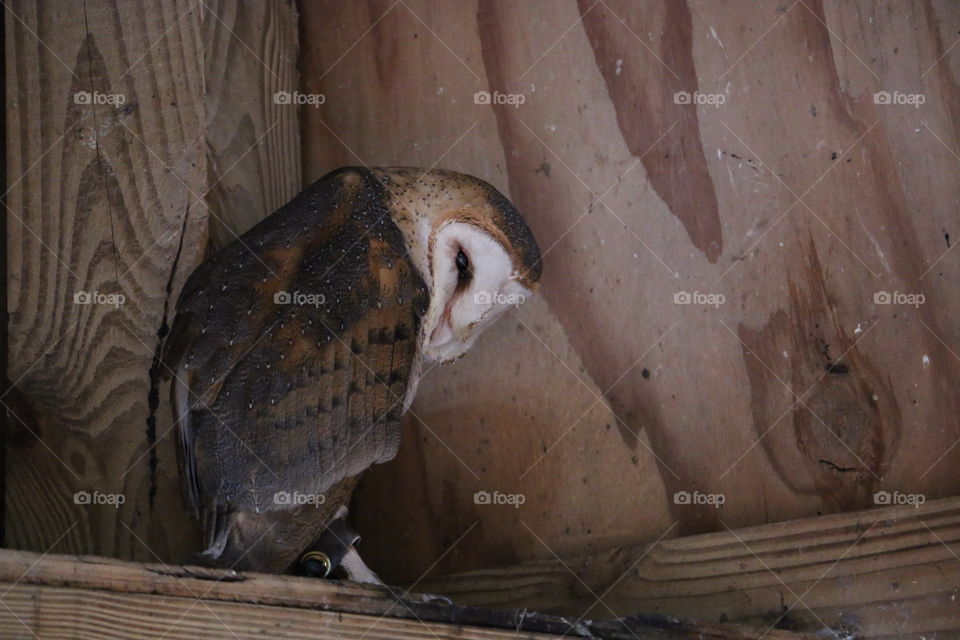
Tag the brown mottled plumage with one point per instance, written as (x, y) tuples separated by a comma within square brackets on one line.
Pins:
[(278, 398)]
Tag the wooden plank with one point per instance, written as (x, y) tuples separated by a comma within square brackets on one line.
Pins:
[(113, 195), (711, 391), (253, 132), (4, 314), (104, 598), (892, 572), (92, 615), (107, 161)]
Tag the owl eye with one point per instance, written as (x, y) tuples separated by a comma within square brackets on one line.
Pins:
[(463, 266)]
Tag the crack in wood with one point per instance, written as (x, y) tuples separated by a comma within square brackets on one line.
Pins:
[(153, 394)]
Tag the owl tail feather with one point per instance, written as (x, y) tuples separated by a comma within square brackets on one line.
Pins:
[(217, 533)]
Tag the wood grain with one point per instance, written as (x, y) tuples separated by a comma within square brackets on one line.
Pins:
[(883, 573), (110, 195), (91, 597), (96, 210), (88, 615), (253, 135), (798, 394)]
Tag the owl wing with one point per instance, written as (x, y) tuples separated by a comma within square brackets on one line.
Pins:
[(292, 350)]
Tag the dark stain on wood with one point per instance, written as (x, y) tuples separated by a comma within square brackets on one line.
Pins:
[(845, 417)]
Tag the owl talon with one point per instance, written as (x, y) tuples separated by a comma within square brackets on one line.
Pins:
[(431, 598)]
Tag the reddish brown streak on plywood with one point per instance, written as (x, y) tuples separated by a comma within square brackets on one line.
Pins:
[(675, 164), (635, 412)]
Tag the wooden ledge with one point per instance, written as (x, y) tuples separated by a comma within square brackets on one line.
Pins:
[(873, 574), (52, 596), (883, 572)]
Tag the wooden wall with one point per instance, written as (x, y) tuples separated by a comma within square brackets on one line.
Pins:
[(797, 199), (118, 195), (794, 195)]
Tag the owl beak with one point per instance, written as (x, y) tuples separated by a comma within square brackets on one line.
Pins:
[(441, 335)]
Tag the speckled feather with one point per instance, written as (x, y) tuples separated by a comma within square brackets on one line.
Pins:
[(287, 397)]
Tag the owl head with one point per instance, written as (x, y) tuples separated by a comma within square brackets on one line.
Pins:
[(470, 246)]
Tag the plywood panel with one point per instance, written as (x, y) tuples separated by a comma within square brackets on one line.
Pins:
[(781, 191), (481, 424)]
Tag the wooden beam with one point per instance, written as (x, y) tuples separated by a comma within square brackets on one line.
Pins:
[(107, 170), (97, 597), (879, 573), (4, 315), (134, 125)]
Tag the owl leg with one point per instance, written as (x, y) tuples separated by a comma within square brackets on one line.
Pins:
[(356, 569), (336, 550)]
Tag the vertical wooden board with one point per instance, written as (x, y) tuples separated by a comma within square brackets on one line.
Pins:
[(113, 200), (108, 160), (4, 319), (660, 149), (253, 134)]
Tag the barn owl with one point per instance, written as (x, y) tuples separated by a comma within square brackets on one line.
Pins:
[(296, 349)]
